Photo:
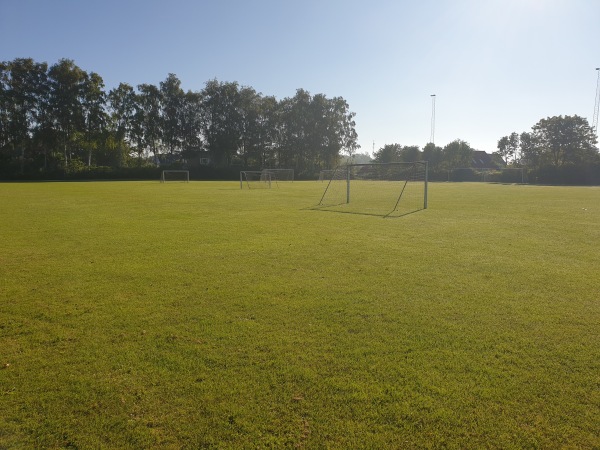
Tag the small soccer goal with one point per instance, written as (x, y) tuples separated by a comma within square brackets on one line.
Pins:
[(280, 174), (256, 179), (175, 175), (388, 190)]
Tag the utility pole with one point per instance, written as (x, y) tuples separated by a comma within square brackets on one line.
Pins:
[(432, 137)]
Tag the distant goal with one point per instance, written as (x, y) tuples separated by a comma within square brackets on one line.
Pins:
[(280, 174), (387, 190), (256, 179), (175, 175)]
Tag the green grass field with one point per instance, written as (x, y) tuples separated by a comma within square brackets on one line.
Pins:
[(147, 315)]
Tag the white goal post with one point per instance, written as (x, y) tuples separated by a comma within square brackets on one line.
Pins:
[(381, 189), (255, 179), (175, 175)]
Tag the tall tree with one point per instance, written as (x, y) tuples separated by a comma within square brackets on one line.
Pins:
[(93, 101), (22, 87), (147, 119), (530, 151), (172, 101), (268, 132), (191, 124), (66, 81), (221, 120), (457, 153), (508, 148), (433, 155), (250, 126), (410, 153), (122, 108), (388, 153), (566, 140)]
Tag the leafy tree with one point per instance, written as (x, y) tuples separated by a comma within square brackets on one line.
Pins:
[(122, 109), (433, 154), (269, 132), (388, 153), (530, 151), (93, 100), (221, 120), (457, 154), (295, 128), (172, 100), (410, 153), (343, 132), (565, 140), (22, 86), (250, 126), (147, 120), (191, 124), (66, 86), (508, 147)]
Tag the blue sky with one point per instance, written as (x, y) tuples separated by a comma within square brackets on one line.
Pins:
[(496, 66)]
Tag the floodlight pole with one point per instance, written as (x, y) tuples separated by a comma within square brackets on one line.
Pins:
[(596, 104), (432, 137)]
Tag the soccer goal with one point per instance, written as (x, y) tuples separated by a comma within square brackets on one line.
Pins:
[(256, 179), (388, 190), (280, 174), (175, 175)]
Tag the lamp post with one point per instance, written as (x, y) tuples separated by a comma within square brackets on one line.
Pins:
[(432, 137)]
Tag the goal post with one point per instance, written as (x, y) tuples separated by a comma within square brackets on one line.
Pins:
[(381, 189), (256, 179), (175, 175)]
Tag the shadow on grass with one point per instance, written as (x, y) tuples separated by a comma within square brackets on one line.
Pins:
[(383, 216)]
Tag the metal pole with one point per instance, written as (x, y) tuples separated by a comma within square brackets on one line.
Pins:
[(596, 104), (432, 137), (348, 184), (426, 179)]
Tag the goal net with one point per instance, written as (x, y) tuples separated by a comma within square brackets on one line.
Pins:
[(254, 179), (388, 190), (175, 175), (280, 174)]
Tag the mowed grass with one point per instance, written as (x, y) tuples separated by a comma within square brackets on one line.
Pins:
[(148, 315)]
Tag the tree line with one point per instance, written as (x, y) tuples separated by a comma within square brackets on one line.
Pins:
[(555, 141), (559, 149), (60, 118), (456, 154)]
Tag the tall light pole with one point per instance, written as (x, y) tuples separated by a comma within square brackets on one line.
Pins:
[(596, 104), (432, 137)]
